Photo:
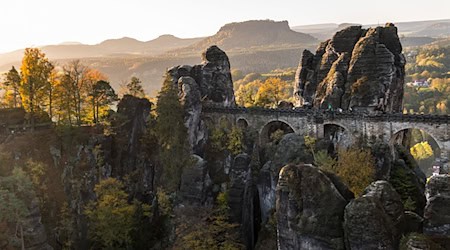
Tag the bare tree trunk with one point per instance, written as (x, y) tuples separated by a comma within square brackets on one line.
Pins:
[(50, 100)]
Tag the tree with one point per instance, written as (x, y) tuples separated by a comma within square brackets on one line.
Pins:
[(102, 96), (15, 191), (36, 70), (74, 85), (111, 216), (356, 167), (271, 92), (134, 88), (172, 135), (246, 93), (11, 85)]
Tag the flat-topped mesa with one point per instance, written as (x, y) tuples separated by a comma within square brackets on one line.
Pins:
[(357, 68), (212, 78)]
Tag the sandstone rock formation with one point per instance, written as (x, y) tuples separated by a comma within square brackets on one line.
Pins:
[(34, 233), (437, 210), (208, 82), (195, 182), (243, 199), (213, 77), (128, 148), (367, 226), (310, 209), (290, 149), (371, 220), (356, 68)]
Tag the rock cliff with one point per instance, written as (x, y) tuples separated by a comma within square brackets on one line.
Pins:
[(207, 82), (310, 209), (356, 68)]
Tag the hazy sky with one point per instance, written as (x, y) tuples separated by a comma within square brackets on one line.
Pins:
[(39, 22)]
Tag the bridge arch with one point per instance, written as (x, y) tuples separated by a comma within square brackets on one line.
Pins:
[(337, 133), (242, 122), (271, 127), (411, 136)]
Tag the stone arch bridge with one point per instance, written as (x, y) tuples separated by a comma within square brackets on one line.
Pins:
[(351, 124)]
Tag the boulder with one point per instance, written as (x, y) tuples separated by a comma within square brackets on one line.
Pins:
[(389, 198), (411, 223), (367, 225), (419, 242), (309, 209), (437, 212)]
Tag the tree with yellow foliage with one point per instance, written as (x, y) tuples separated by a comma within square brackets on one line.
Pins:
[(271, 92), (36, 70), (246, 93), (111, 216)]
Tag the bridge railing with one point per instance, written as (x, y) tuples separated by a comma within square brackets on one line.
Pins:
[(329, 114)]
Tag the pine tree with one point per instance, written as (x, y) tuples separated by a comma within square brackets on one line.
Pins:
[(11, 85), (134, 88), (172, 135)]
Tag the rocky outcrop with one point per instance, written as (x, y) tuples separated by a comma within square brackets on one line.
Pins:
[(238, 175), (243, 199), (34, 234), (212, 77), (367, 226), (419, 242), (389, 198), (195, 182), (290, 149), (309, 209), (437, 212), (408, 180), (371, 221), (128, 151), (207, 82), (356, 68)]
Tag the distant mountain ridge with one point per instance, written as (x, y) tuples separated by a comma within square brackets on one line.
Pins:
[(253, 34), (428, 28), (125, 46)]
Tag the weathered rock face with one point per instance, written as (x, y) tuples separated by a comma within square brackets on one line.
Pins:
[(195, 182), (310, 209), (367, 225), (208, 82), (437, 210), (213, 77), (243, 199), (34, 234), (373, 221), (190, 97), (408, 180), (419, 242), (290, 149), (238, 175), (356, 68), (128, 150), (388, 197)]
